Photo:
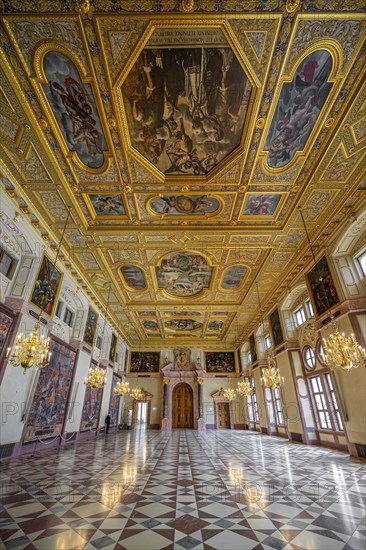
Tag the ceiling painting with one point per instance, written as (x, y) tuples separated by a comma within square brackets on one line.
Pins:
[(182, 324), (188, 205), (183, 274), (151, 325), (233, 277), (185, 103), (133, 277), (74, 108), (106, 205), (215, 325), (298, 107), (182, 313), (261, 204)]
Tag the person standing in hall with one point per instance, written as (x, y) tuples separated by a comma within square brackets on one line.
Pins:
[(107, 422)]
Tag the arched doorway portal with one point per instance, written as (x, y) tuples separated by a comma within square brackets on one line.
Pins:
[(182, 416)]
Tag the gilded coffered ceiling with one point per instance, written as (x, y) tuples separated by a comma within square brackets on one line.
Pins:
[(184, 134)]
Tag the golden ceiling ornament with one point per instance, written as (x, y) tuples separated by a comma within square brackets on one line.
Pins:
[(82, 7), (260, 122), (187, 6), (340, 350), (292, 6), (34, 350)]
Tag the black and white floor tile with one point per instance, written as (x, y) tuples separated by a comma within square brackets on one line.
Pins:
[(148, 490)]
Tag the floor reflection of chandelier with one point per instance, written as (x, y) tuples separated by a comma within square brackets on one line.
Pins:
[(342, 351), (96, 378), (229, 394), (243, 389), (122, 388), (31, 351), (136, 394)]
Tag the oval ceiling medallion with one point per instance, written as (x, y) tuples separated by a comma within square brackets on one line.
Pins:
[(133, 277), (183, 274), (184, 205), (182, 324), (233, 277)]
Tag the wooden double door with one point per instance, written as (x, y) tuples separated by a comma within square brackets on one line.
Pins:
[(223, 416), (182, 406)]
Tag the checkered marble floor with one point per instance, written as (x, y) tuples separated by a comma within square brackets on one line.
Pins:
[(146, 490)]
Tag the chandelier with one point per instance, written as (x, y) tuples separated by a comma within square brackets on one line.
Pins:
[(340, 350), (122, 388), (97, 377), (229, 394), (136, 394), (31, 351), (244, 389), (34, 350), (271, 377)]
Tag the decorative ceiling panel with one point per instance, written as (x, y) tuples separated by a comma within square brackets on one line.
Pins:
[(184, 136)]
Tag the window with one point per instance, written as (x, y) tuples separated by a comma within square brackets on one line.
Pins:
[(308, 356), (361, 259), (320, 403), (7, 264), (68, 317), (326, 403), (309, 308), (252, 406), (98, 343), (276, 396), (267, 341), (319, 350), (59, 309), (299, 315), (249, 357), (337, 415)]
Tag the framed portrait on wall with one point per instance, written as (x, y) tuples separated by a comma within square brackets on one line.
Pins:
[(323, 292), (252, 348), (220, 361), (145, 361), (112, 349), (90, 327), (47, 286), (276, 327)]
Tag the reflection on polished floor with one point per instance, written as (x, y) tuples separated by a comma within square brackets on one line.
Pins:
[(146, 490)]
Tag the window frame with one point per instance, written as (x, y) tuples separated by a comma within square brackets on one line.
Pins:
[(9, 274), (305, 349), (330, 406), (252, 404), (358, 259), (69, 313), (296, 311)]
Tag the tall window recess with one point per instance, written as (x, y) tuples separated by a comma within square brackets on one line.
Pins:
[(252, 405), (326, 406), (277, 406)]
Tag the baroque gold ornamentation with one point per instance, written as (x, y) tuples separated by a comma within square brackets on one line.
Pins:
[(187, 5)]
